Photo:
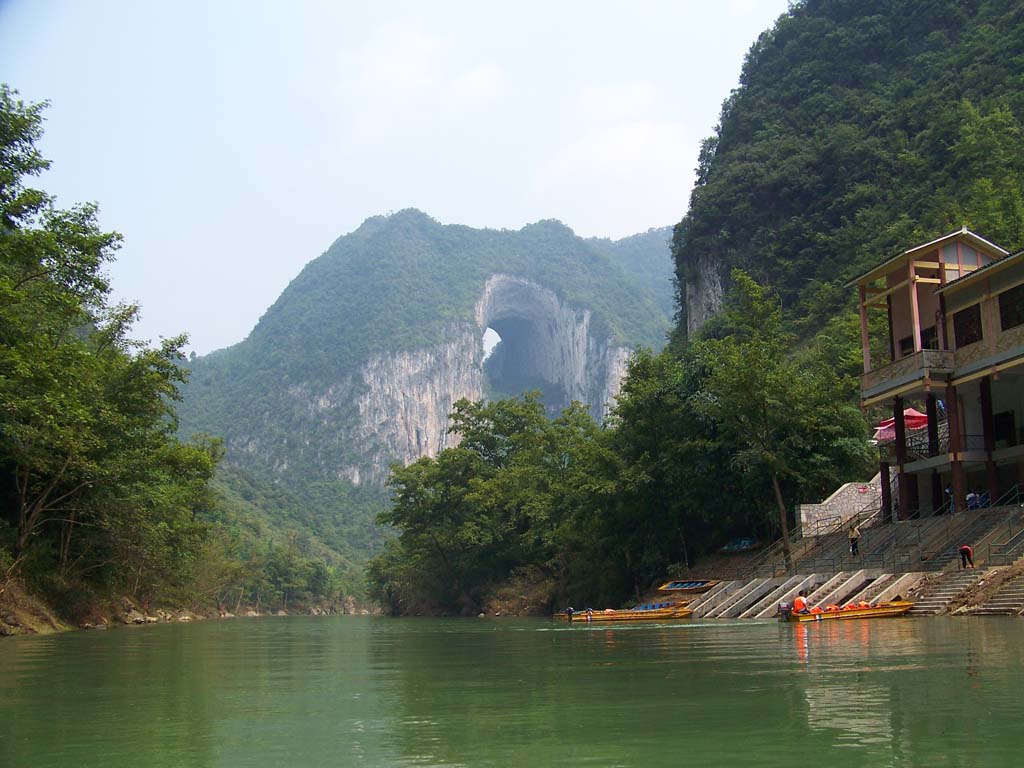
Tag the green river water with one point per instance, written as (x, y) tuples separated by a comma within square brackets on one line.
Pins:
[(348, 691)]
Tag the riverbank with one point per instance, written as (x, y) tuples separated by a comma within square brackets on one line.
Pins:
[(25, 613), (21, 613)]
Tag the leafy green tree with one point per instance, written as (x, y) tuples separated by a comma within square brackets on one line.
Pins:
[(779, 414), (859, 128), (98, 485), (512, 494)]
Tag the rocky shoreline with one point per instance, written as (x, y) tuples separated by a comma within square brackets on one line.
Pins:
[(22, 613)]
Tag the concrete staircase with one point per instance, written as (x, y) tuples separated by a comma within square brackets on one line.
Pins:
[(768, 605), (1008, 601), (975, 526), (899, 586), (944, 592), (844, 588), (744, 599), (718, 594)]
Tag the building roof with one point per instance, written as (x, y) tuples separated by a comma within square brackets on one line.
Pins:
[(988, 269), (962, 234)]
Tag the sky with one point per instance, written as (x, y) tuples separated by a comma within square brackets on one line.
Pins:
[(232, 142)]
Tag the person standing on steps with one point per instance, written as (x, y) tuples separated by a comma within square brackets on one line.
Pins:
[(966, 556), (855, 539)]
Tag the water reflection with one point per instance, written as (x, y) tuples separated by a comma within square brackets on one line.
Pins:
[(379, 692)]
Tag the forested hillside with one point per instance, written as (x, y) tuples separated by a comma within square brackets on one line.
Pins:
[(647, 258), (101, 499), (860, 127), (395, 285)]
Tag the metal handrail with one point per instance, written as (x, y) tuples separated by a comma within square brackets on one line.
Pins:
[(769, 553)]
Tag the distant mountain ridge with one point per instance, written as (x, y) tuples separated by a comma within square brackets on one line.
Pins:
[(358, 362)]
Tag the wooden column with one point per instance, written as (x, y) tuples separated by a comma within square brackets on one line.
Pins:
[(885, 480), (915, 312), (865, 342), (988, 430), (955, 447), (902, 481), (942, 311), (892, 337), (933, 424)]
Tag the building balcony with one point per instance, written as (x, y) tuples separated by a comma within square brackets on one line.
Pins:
[(906, 370)]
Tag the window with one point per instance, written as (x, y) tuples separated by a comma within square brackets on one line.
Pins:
[(929, 339), (906, 346), (967, 325), (1011, 307), (952, 264)]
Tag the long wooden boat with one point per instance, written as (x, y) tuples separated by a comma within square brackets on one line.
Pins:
[(667, 612), (681, 587), (882, 610)]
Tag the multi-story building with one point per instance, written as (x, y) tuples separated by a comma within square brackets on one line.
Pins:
[(954, 312)]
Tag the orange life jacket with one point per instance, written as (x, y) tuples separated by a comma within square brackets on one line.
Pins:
[(800, 604)]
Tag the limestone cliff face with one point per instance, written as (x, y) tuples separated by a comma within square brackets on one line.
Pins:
[(703, 293), (395, 409), (549, 340), (406, 399)]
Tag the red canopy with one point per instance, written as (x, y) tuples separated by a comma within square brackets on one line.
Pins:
[(914, 419)]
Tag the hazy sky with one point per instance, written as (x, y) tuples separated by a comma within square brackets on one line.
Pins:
[(232, 142)]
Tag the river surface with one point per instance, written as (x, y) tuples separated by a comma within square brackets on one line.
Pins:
[(362, 691)]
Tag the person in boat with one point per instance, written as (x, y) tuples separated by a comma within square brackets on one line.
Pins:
[(854, 539), (966, 556), (800, 603)]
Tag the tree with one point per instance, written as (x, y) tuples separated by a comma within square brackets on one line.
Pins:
[(779, 414), (89, 461)]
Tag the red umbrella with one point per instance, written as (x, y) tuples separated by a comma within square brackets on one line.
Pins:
[(913, 419)]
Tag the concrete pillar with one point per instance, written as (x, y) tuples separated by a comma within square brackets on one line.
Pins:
[(884, 479), (902, 480), (937, 497), (955, 448), (988, 430), (933, 424)]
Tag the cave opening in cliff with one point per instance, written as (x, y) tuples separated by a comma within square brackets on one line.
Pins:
[(490, 341), (515, 362)]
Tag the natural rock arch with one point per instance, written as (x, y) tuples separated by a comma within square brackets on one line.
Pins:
[(404, 398), (545, 339)]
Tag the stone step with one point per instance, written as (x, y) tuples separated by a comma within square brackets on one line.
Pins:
[(900, 587), (770, 602), (871, 591), (735, 597), (997, 603), (714, 596), (986, 610), (846, 588), (816, 597), (751, 597)]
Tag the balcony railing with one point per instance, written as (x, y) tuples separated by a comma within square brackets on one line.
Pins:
[(906, 367), (918, 446)]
